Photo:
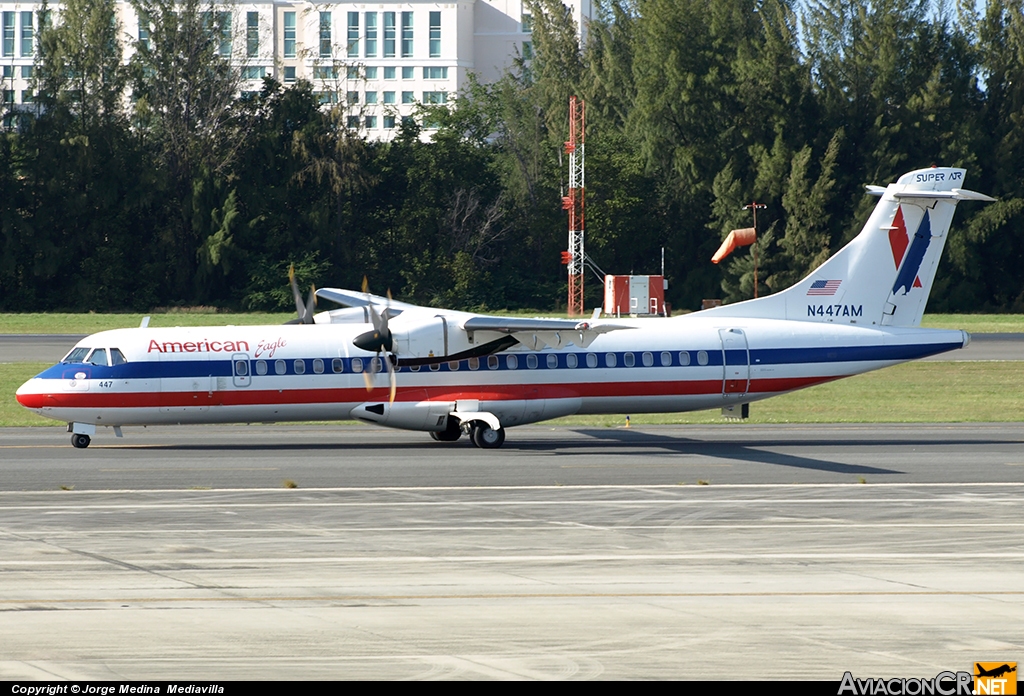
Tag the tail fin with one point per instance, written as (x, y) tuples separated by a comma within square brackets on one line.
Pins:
[(883, 276)]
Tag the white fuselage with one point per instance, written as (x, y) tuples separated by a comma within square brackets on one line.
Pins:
[(314, 372)]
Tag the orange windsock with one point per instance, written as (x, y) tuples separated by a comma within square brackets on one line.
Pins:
[(736, 238)]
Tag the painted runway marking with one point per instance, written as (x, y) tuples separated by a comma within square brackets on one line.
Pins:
[(524, 595)]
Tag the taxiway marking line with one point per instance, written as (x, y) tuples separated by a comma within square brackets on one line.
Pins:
[(528, 595)]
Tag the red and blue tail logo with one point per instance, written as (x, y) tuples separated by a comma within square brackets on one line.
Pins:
[(908, 262)]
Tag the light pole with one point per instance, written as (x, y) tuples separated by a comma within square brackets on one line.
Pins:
[(755, 206)]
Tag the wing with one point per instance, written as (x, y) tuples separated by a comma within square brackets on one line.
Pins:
[(537, 334)]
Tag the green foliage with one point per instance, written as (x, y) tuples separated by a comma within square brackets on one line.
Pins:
[(152, 184)]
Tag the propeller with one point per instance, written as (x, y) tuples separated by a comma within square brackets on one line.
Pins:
[(305, 310), (379, 340)]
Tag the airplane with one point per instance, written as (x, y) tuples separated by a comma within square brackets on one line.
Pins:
[(451, 373), (995, 672)]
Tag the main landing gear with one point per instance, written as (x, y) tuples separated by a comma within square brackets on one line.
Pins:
[(486, 437), (80, 441), (480, 433)]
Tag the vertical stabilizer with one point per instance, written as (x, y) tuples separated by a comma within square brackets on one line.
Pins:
[(883, 276)]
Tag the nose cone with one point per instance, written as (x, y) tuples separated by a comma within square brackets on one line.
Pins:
[(29, 395)]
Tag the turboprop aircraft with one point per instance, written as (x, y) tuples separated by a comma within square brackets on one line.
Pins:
[(451, 373)]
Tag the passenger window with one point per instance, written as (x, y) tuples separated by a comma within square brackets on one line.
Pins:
[(571, 360), (591, 360), (98, 357), (609, 360), (300, 367), (552, 361), (512, 362), (531, 361), (666, 359), (648, 359), (628, 360), (435, 367), (492, 362), (279, 367), (318, 366), (702, 357), (415, 368), (357, 364), (684, 358), (474, 363), (117, 357), (453, 366), (77, 355), (261, 367), (376, 365), (241, 368), (338, 365)]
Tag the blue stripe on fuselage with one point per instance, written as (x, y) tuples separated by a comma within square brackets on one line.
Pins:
[(763, 356)]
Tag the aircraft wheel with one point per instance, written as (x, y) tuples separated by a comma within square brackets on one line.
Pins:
[(451, 433), (486, 437), (80, 441)]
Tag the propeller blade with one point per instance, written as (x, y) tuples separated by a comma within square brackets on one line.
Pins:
[(299, 306), (368, 378), (307, 318), (392, 378)]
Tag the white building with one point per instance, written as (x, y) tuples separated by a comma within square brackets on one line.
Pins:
[(377, 59)]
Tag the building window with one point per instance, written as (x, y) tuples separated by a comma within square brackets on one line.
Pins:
[(224, 19), (353, 34), (371, 34), (370, 121), (8, 96), (8, 72), (408, 98), (353, 122), (527, 23), (352, 97), (435, 34), (371, 73), (26, 34), (389, 121), (325, 34), (289, 34), (253, 72), (325, 72), (408, 72), (527, 50), (389, 34), (389, 73), (8, 35), (252, 33), (289, 73), (352, 73), (144, 31), (27, 72), (371, 97), (407, 34), (389, 97), (435, 97), (435, 73)]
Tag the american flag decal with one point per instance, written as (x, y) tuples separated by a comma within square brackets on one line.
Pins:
[(824, 287)]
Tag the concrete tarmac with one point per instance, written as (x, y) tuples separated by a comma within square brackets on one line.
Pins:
[(567, 554)]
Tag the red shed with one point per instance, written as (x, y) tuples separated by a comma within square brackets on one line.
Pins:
[(639, 295)]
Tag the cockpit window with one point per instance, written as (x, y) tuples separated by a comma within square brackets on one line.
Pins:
[(117, 357), (98, 357), (76, 355)]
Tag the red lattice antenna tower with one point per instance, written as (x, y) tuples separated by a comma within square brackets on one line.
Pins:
[(574, 204)]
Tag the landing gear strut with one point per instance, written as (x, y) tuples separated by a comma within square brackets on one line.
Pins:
[(486, 437), (80, 441)]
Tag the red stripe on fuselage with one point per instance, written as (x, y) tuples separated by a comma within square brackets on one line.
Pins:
[(505, 392)]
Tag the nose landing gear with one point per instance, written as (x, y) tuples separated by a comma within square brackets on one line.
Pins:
[(80, 441)]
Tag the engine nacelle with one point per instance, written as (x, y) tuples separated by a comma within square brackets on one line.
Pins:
[(422, 338), (406, 415)]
